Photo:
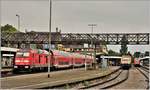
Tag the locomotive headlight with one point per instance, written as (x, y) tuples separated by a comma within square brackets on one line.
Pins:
[(15, 66), (26, 66)]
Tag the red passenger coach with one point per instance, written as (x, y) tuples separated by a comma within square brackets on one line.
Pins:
[(78, 60), (89, 60), (62, 59)]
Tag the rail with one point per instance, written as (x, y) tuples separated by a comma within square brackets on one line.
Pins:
[(75, 82), (117, 83), (98, 83), (146, 76)]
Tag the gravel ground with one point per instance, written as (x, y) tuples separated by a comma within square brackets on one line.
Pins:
[(135, 81), (17, 81)]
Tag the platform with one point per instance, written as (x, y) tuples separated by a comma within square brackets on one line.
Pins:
[(6, 70), (40, 80)]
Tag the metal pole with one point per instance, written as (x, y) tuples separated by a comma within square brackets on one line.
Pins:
[(85, 59), (92, 25), (50, 20), (18, 26), (92, 38), (18, 21)]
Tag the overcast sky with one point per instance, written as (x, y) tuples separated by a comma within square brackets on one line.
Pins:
[(115, 16)]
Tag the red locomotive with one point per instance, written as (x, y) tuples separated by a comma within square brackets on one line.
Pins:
[(136, 62), (38, 59), (31, 59)]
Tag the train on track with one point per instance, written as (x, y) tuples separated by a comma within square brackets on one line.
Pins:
[(34, 60), (126, 61), (137, 62)]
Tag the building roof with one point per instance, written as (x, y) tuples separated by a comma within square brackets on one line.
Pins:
[(9, 49)]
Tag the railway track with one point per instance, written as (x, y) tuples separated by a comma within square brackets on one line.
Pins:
[(87, 83), (6, 72), (147, 65), (146, 69), (9, 73), (112, 81), (145, 73)]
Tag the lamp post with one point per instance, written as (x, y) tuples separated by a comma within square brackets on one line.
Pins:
[(18, 16), (94, 53), (50, 25), (18, 21)]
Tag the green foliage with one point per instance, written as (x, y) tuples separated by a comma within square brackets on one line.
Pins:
[(85, 83), (129, 54), (132, 58), (137, 54), (104, 47), (124, 47), (33, 46), (103, 43), (113, 53), (8, 29), (67, 86)]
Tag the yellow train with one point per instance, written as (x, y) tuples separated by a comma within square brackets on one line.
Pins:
[(126, 61)]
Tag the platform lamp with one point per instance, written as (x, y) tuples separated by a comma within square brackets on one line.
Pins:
[(50, 25), (18, 21), (18, 16), (94, 53)]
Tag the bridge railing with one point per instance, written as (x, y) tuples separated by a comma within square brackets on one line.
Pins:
[(80, 38)]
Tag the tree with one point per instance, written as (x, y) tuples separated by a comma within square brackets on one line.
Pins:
[(8, 28), (124, 47), (104, 47), (137, 54), (132, 58), (129, 53), (113, 53)]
